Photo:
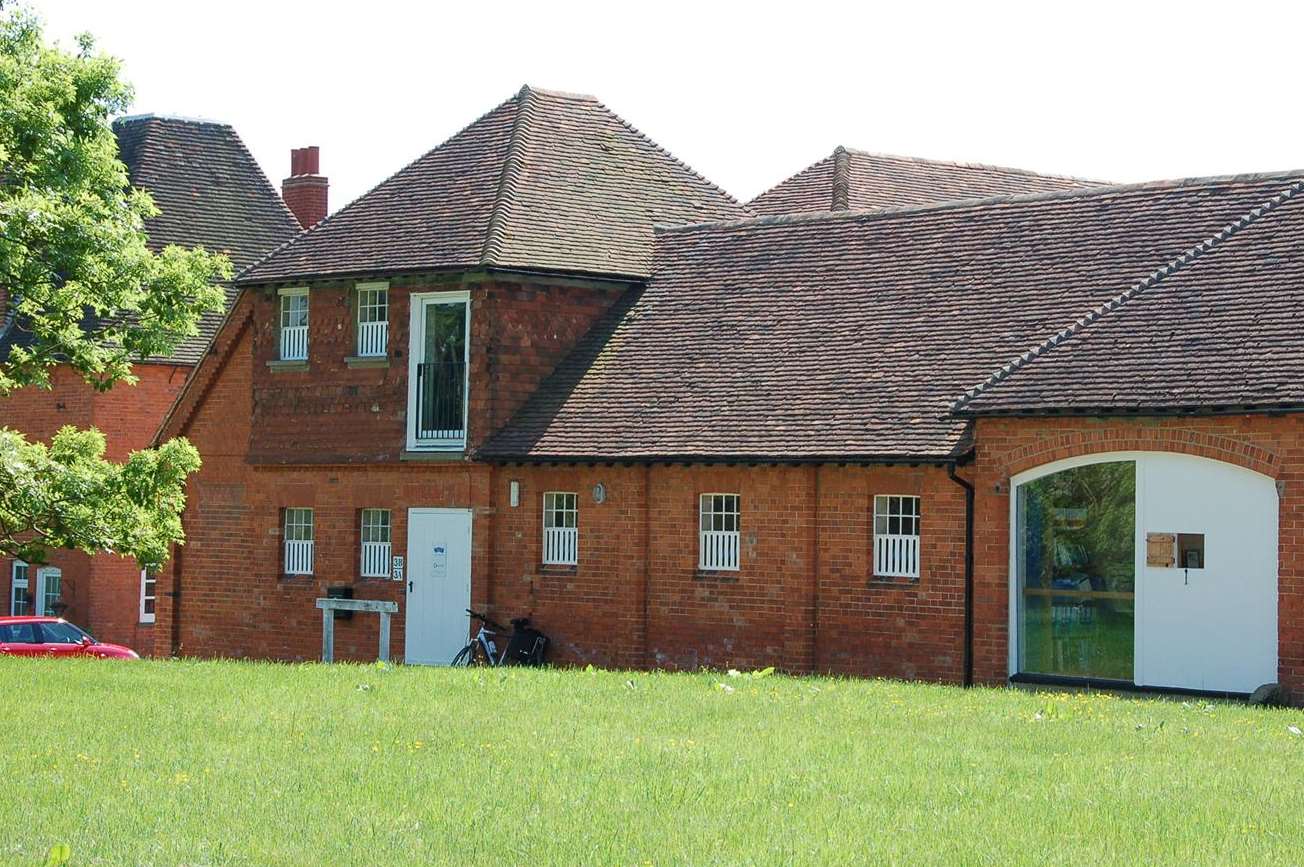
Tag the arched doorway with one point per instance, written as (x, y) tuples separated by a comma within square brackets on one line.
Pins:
[(1151, 568)]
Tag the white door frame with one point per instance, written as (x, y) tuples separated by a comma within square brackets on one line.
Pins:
[(1018, 479), (38, 601), (408, 566)]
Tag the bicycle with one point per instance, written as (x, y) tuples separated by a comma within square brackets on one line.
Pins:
[(527, 645), (481, 649)]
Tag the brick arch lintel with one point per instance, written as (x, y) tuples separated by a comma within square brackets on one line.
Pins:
[(1062, 445)]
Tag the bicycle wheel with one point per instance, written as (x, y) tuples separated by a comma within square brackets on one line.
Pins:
[(479, 656), (463, 656)]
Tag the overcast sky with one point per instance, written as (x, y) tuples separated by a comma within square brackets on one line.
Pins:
[(1126, 92)]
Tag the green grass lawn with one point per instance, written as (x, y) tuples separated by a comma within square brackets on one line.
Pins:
[(224, 762)]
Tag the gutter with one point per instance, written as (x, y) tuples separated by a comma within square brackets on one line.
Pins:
[(968, 571)]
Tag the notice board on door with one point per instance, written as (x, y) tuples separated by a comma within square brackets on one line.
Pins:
[(1161, 550)]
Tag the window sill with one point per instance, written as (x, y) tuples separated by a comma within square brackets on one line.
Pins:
[(454, 454), (886, 581), (365, 361), (278, 365), (558, 569), (719, 576), (290, 579)]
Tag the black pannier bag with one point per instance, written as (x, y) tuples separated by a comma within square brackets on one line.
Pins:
[(527, 646)]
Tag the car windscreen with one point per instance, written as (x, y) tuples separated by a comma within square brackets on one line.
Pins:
[(61, 633), (17, 633)]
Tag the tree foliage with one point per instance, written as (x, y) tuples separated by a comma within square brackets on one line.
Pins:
[(66, 495), (79, 286)]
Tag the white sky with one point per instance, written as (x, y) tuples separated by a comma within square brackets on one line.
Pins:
[(745, 93)]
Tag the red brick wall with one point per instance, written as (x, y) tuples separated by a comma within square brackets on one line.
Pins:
[(102, 591), (332, 413), (803, 600), (1272, 445)]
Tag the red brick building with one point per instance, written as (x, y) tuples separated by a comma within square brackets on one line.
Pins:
[(796, 440), (210, 193)]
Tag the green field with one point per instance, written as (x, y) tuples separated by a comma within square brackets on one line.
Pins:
[(225, 762)]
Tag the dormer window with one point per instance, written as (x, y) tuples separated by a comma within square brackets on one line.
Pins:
[(373, 319), (294, 324), (437, 370)]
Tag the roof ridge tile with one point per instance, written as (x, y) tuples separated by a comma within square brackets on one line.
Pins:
[(976, 203), (1170, 267), (513, 165), (963, 164), (841, 179)]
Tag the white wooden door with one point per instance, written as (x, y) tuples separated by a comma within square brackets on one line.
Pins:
[(436, 625), (1212, 627)]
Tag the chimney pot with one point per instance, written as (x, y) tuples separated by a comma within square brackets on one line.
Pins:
[(305, 191)]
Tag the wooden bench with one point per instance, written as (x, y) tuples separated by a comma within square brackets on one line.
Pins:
[(330, 606)]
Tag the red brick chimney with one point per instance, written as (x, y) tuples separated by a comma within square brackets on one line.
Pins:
[(304, 191)]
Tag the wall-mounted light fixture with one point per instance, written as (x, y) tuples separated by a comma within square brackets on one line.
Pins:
[(599, 493), (514, 493)]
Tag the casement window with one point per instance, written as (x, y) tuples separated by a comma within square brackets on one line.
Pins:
[(719, 525), (20, 597), (294, 324), (373, 320), (298, 542), (896, 536), (148, 595), (375, 543), (437, 370), (561, 529)]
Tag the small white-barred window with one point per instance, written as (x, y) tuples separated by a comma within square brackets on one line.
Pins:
[(561, 534), (375, 543), (148, 595), (294, 324), (719, 525), (896, 536), (298, 541), (373, 319)]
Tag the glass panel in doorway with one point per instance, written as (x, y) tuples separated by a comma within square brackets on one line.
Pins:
[(1076, 565)]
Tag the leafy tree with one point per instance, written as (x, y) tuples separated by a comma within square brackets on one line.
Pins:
[(80, 287)]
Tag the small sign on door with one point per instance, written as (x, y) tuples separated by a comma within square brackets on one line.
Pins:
[(439, 562)]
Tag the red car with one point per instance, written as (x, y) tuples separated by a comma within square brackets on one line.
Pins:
[(53, 636)]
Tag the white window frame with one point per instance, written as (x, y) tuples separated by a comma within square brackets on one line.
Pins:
[(561, 541), (376, 551), (416, 344), (292, 345), (719, 549), (373, 333), (25, 582), (298, 543), (896, 555), (42, 601), (148, 593)]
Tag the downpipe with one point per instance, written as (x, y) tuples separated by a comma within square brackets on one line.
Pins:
[(968, 571)]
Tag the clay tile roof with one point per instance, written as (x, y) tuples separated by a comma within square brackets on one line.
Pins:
[(849, 336), (858, 181), (546, 181), (210, 193), (1217, 328)]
